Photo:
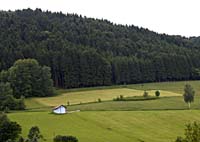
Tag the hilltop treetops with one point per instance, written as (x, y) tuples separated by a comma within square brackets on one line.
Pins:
[(84, 52)]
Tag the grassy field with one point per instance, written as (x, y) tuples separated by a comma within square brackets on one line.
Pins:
[(165, 103), (156, 120), (110, 126), (176, 87), (85, 95), (93, 95)]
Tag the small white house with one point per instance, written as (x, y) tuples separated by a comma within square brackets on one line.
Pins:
[(60, 109)]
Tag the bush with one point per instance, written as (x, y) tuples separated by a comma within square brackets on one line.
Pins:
[(6, 110), (60, 138), (146, 94), (34, 132), (157, 93), (9, 131), (11, 103), (5, 89), (99, 100), (34, 135), (192, 133), (119, 98), (116, 99)]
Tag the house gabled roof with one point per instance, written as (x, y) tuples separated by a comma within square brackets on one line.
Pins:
[(59, 106)]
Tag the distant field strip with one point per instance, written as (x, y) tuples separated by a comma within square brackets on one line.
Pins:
[(177, 86), (94, 95)]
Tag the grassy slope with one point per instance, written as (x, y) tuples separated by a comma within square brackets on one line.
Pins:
[(83, 95), (113, 126), (93, 95), (33, 104), (154, 125), (176, 87), (165, 103)]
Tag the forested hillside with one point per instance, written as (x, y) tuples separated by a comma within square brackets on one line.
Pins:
[(89, 52)]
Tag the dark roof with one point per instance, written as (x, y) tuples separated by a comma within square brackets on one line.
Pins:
[(59, 106)]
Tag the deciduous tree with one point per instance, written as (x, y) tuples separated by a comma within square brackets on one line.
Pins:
[(188, 94)]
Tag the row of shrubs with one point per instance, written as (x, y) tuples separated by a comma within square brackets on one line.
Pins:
[(60, 138), (138, 98), (146, 94), (135, 98)]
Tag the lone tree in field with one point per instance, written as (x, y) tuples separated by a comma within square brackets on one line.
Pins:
[(157, 93), (34, 135), (188, 94)]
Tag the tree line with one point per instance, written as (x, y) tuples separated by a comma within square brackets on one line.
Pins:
[(83, 52)]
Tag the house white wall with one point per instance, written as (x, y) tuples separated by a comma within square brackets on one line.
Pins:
[(60, 110)]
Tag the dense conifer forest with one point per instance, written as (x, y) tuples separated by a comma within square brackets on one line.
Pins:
[(84, 52)]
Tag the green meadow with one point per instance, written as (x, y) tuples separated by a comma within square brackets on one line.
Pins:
[(110, 126), (162, 119), (94, 95)]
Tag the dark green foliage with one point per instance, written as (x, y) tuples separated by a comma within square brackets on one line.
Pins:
[(157, 93), (119, 98), (21, 139), (89, 52), (34, 135), (68, 103), (116, 99), (26, 79), (7, 101), (188, 94), (9, 131), (135, 98), (4, 76), (192, 133), (60, 138), (99, 100), (5, 89), (180, 139), (29, 79), (196, 73)]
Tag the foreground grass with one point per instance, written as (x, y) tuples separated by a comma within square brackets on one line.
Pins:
[(110, 126)]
